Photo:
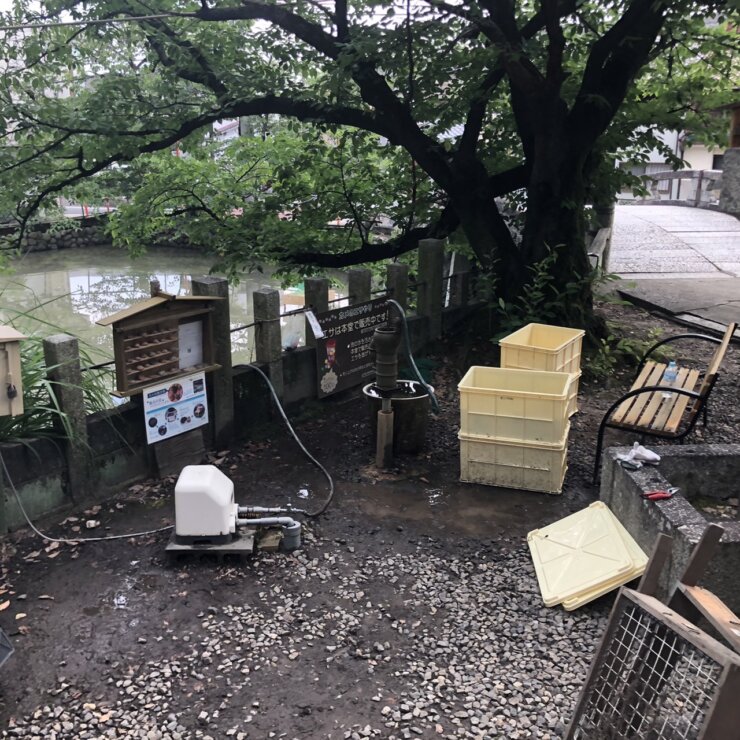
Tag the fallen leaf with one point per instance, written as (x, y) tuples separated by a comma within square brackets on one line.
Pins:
[(24, 629), (4, 606), (31, 555), (20, 615), (52, 546), (46, 597), (53, 555)]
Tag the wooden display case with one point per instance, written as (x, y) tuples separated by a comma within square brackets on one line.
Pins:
[(161, 338)]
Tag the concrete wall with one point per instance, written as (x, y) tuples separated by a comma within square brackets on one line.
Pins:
[(695, 468), (84, 232), (75, 233)]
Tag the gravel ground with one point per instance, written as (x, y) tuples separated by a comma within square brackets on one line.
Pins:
[(411, 611)]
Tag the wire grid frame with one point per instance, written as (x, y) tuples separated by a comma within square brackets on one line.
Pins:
[(651, 684)]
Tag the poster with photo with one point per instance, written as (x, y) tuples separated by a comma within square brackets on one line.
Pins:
[(175, 407), (343, 353)]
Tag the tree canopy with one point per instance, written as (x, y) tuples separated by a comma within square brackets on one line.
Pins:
[(472, 101)]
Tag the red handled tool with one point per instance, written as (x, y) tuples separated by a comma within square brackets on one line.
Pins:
[(660, 495)]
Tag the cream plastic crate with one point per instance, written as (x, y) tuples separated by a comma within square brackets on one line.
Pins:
[(527, 467), (573, 393), (515, 405), (543, 347)]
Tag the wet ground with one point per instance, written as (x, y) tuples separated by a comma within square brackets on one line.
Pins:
[(411, 611)]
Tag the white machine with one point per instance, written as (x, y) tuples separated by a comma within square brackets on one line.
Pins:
[(207, 516), (204, 505)]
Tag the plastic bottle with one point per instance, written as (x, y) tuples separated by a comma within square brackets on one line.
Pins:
[(669, 377)]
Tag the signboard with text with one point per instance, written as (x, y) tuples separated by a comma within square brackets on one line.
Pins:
[(343, 354), (175, 407)]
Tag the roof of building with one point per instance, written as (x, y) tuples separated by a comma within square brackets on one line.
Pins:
[(145, 305)]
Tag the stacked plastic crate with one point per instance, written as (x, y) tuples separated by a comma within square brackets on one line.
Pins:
[(514, 421), (543, 347)]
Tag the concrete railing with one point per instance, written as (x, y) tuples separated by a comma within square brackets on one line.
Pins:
[(111, 450), (693, 188)]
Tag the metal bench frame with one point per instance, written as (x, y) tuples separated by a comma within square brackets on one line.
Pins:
[(698, 408)]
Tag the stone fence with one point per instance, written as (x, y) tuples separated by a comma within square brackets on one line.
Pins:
[(110, 450)]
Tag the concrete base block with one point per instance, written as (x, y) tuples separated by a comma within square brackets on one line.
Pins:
[(702, 472)]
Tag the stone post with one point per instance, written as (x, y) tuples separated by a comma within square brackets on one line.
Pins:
[(429, 297), (222, 380), (460, 281), (268, 339), (62, 357), (397, 283), (605, 220), (729, 195), (359, 284), (316, 297)]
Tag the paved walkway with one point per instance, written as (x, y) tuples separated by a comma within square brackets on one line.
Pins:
[(685, 261)]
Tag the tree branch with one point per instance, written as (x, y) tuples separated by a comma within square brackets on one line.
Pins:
[(373, 252)]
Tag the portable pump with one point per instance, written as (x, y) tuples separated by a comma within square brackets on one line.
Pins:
[(206, 515)]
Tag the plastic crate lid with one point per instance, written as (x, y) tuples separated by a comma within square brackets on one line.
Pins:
[(579, 554), (639, 558)]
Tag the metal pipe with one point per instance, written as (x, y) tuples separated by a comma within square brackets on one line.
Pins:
[(291, 529), (266, 521), (250, 510)]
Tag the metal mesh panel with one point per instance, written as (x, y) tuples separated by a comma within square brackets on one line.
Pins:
[(651, 684)]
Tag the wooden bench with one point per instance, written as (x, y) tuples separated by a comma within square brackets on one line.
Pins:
[(645, 410)]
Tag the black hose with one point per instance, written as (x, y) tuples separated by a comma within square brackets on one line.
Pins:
[(326, 503)]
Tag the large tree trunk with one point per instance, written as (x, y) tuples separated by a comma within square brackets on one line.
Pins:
[(555, 224), (487, 233)]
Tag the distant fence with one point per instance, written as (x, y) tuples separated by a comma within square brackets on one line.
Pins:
[(694, 188)]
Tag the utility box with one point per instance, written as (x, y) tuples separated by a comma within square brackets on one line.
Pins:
[(160, 339), (11, 390)]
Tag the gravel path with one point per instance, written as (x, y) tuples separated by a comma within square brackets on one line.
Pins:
[(417, 644)]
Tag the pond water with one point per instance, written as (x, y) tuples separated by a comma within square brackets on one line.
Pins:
[(69, 290)]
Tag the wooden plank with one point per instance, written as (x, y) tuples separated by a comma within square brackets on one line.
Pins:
[(658, 558), (719, 355), (716, 612), (118, 393), (593, 672), (132, 310), (650, 401), (666, 405), (682, 402), (721, 721), (174, 454), (685, 629), (655, 373), (702, 554), (640, 381)]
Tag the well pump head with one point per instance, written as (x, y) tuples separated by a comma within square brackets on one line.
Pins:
[(385, 343)]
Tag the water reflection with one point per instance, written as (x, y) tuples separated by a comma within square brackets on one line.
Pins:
[(70, 290)]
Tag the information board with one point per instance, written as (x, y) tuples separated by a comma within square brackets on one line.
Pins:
[(175, 407), (343, 355)]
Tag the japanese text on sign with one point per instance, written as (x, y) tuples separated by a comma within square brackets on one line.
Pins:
[(343, 356)]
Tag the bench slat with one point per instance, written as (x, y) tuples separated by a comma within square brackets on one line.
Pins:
[(668, 404), (652, 409), (653, 378), (623, 408), (682, 402)]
